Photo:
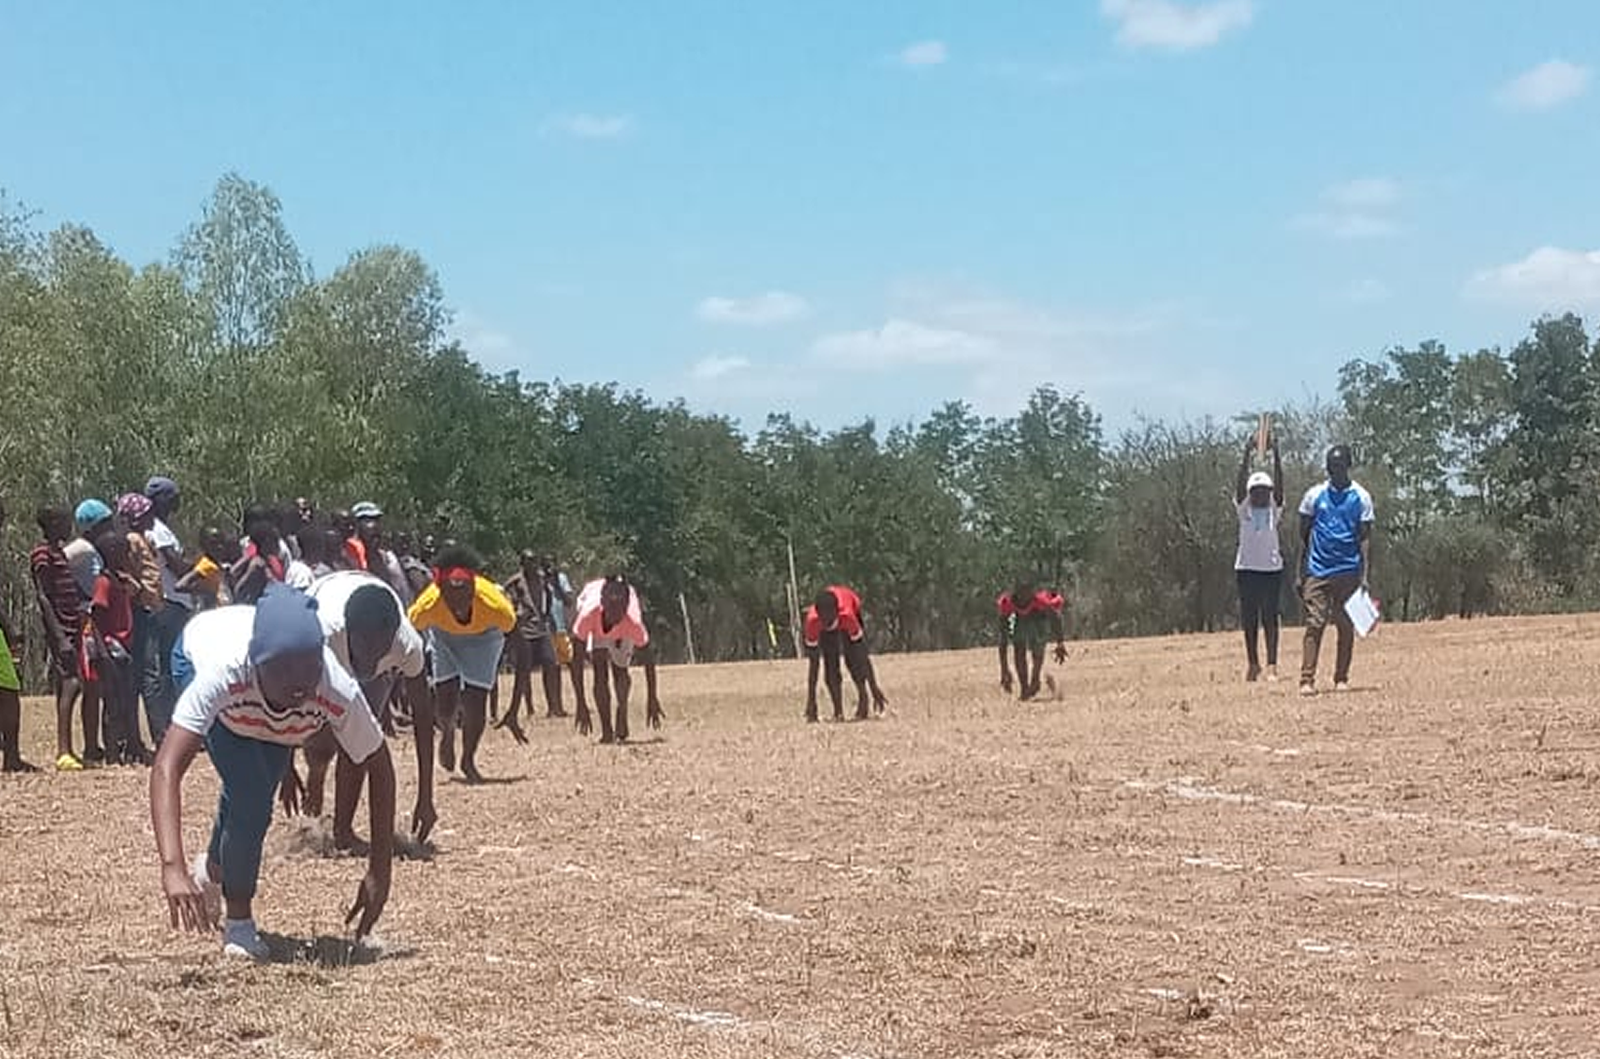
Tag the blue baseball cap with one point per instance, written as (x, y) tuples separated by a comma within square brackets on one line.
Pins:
[(286, 623)]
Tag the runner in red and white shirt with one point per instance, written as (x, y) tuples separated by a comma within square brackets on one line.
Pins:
[(257, 682), (833, 628)]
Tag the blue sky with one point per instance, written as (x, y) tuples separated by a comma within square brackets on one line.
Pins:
[(843, 209)]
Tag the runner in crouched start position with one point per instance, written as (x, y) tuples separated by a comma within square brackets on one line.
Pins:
[(466, 618), (833, 627), (370, 636), (1029, 619), (257, 682), (609, 630)]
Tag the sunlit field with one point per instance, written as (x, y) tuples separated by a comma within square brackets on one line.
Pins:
[(1162, 861)]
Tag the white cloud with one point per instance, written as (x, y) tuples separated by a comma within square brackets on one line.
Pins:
[(1547, 85), (904, 344), (591, 126), (773, 307), (716, 366), (924, 53), (1171, 26), (1550, 278), (1356, 209)]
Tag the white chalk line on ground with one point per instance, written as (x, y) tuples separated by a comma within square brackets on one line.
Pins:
[(715, 1020), (1188, 789)]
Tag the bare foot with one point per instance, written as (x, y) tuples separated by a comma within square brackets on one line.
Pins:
[(352, 844)]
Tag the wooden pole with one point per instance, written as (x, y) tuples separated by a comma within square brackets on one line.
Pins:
[(688, 629), (794, 598), (1263, 432)]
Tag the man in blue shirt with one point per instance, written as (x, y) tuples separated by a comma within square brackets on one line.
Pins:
[(1335, 561)]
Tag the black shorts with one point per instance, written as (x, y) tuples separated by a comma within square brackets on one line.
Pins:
[(536, 652)]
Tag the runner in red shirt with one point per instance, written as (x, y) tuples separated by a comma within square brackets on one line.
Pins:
[(833, 629), (1029, 618)]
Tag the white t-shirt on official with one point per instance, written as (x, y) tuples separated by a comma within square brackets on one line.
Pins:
[(224, 690), (1260, 550), (407, 654)]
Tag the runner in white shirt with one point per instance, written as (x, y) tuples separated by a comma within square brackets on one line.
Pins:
[(250, 697), (1258, 565), (367, 631)]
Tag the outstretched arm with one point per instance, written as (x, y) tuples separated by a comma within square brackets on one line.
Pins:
[(1277, 473), (813, 663), (1005, 660), (653, 712), (1305, 545), (373, 893), (1239, 490), (582, 721), (60, 641), (185, 904), (420, 697)]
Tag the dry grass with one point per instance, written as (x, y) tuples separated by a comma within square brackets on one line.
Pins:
[(1164, 862)]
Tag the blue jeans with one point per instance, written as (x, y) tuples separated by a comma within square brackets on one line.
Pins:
[(250, 771), (160, 692)]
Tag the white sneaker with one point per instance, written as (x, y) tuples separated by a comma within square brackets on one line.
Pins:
[(1342, 687), (210, 892), (1272, 674), (1308, 691), (241, 941)]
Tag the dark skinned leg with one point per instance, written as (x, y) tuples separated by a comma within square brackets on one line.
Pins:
[(348, 779), (624, 682), (832, 647), (1038, 668), (11, 730), (90, 711), (1019, 658), (552, 692), (855, 657), (447, 702), (601, 660), (320, 751), (474, 718), (67, 691)]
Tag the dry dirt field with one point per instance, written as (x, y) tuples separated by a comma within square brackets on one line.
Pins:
[(1162, 862)]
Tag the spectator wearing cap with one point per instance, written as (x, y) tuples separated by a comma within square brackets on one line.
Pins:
[(259, 681), (159, 692), (381, 561), (1336, 519), (1258, 563)]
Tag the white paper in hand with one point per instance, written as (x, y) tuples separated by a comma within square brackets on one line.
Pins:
[(1363, 612)]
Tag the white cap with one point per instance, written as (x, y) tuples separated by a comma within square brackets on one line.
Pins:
[(1260, 480)]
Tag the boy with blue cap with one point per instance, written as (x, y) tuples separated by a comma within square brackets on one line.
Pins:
[(258, 682)]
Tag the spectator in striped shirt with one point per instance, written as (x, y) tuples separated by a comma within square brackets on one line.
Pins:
[(61, 612)]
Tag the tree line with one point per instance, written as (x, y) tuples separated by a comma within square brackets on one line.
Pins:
[(236, 370)]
